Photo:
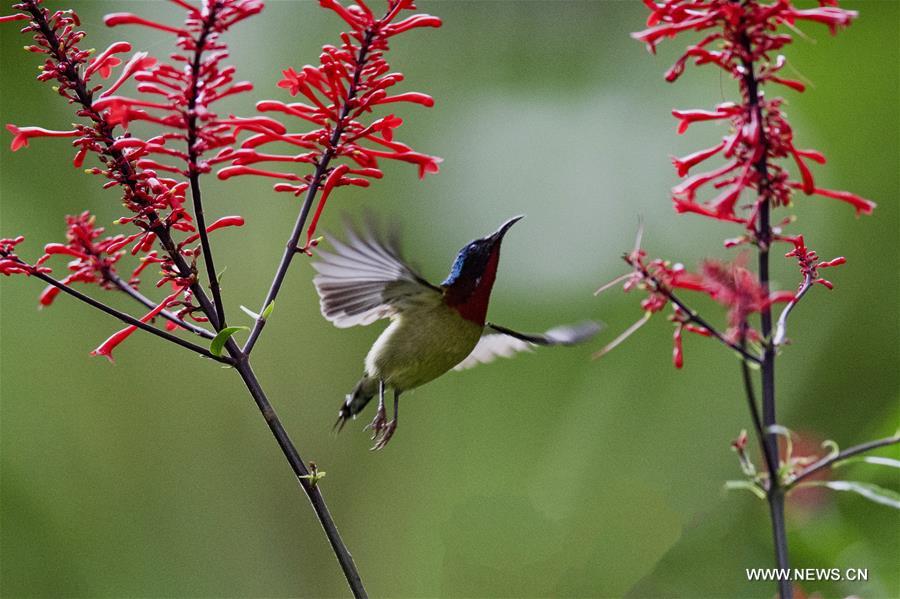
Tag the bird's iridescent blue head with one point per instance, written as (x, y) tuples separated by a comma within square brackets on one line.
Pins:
[(468, 286), (472, 260)]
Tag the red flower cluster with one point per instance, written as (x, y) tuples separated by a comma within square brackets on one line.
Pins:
[(809, 262), (181, 106), (182, 92), (93, 259), (351, 81), (10, 263), (735, 287), (740, 38), (730, 284), (744, 34)]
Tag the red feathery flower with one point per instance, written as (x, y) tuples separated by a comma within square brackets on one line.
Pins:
[(744, 37), (92, 259), (738, 289), (151, 173), (352, 80)]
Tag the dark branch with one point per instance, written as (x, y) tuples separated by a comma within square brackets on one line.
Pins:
[(140, 297), (291, 246), (775, 493), (194, 156), (843, 455), (300, 470), (694, 317), (771, 463), (128, 319)]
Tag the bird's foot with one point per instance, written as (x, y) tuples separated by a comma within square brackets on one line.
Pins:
[(387, 431), (379, 423)]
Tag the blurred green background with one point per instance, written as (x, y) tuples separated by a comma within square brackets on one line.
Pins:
[(546, 475)]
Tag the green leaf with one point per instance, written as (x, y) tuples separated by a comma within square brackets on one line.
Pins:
[(871, 492), (733, 485), (218, 343), (265, 313), (268, 311), (314, 477), (869, 459)]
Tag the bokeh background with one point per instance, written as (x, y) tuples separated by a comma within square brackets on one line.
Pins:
[(546, 475)]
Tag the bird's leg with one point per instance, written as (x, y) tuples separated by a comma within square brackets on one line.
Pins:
[(380, 421), (391, 426)]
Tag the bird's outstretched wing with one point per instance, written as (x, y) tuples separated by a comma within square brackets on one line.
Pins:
[(506, 342), (366, 278)]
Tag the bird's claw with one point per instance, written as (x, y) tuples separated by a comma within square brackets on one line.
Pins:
[(379, 423), (387, 431)]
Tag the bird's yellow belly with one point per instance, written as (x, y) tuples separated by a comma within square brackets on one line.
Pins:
[(421, 345)]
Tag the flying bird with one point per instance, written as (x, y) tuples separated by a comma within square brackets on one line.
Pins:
[(434, 328)]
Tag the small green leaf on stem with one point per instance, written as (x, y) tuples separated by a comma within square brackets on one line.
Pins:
[(315, 475), (268, 311), (869, 459), (732, 485), (265, 313), (218, 342), (871, 492)]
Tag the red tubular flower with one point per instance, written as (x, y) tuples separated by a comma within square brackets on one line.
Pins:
[(809, 263), (746, 37), (735, 287), (93, 258), (106, 348), (178, 97), (350, 81), (742, 39), (21, 135), (10, 263), (189, 91)]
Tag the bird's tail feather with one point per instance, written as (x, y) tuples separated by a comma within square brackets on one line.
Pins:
[(356, 400)]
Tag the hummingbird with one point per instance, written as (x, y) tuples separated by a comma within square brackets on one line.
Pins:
[(433, 329)]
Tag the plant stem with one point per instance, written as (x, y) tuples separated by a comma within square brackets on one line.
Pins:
[(242, 365), (194, 156), (775, 492), (140, 297), (781, 327), (128, 319), (771, 463), (290, 248), (694, 317), (843, 455)]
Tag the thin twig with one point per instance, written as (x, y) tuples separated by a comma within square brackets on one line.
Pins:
[(193, 155), (694, 317), (128, 319), (771, 463), (140, 297), (300, 470), (781, 325), (775, 492), (843, 455), (291, 246)]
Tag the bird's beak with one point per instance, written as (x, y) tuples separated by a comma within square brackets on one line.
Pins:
[(499, 233)]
